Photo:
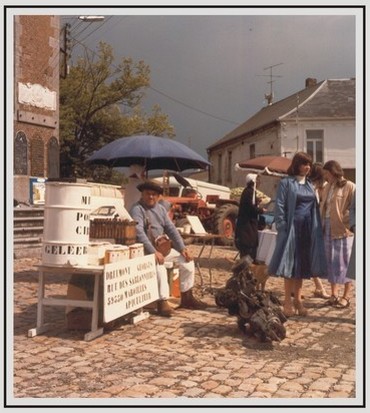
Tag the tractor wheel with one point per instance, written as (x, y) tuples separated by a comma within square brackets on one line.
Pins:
[(224, 223), (180, 223)]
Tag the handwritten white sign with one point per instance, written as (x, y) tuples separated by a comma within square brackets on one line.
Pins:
[(129, 285), (196, 225)]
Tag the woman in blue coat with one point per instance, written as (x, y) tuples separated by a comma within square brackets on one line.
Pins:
[(299, 252)]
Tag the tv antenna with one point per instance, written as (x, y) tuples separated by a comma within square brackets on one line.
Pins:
[(270, 96)]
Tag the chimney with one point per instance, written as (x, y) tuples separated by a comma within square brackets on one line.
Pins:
[(310, 81)]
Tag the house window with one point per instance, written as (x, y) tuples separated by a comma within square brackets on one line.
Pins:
[(229, 165), (314, 144), (252, 151), (219, 169)]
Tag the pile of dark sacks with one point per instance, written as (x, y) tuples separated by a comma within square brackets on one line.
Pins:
[(258, 313)]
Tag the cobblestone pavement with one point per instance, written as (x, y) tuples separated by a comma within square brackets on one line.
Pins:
[(193, 355)]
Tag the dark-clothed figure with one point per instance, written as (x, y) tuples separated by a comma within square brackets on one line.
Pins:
[(246, 231)]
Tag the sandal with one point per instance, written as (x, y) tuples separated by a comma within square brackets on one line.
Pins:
[(332, 300), (340, 304), (321, 294)]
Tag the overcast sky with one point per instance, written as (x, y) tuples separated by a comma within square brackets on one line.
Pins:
[(209, 73)]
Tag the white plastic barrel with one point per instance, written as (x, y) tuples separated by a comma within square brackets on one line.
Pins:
[(66, 223)]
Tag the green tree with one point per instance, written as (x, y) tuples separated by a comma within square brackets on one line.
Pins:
[(91, 101)]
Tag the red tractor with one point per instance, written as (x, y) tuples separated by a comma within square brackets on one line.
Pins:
[(210, 202)]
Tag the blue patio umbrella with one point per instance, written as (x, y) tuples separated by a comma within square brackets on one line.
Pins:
[(150, 151)]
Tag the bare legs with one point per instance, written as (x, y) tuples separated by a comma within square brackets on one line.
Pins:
[(298, 304), (334, 290), (319, 288), (347, 290), (290, 308), (344, 300)]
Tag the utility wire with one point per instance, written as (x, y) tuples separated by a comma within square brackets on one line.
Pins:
[(72, 27), (87, 25), (192, 107), (162, 93), (111, 25), (96, 28)]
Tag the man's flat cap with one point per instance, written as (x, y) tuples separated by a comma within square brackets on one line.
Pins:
[(150, 186)]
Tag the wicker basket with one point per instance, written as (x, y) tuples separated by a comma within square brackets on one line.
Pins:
[(122, 231)]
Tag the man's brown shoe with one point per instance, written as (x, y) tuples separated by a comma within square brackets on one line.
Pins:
[(164, 309), (189, 301)]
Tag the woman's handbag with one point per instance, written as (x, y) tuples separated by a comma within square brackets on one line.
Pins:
[(163, 244)]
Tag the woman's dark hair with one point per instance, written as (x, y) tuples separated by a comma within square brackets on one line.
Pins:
[(300, 158), (336, 170), (317, 173)]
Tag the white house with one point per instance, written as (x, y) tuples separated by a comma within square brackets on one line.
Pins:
[(319, 119)]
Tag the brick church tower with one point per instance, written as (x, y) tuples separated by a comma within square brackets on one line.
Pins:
[(36, 105)]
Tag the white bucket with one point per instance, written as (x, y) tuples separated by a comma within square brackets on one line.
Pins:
[(96, 252), (116, 253), (66, 223), (136, 250)]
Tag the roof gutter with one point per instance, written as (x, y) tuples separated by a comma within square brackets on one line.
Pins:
[(304, 102), (246, 135)]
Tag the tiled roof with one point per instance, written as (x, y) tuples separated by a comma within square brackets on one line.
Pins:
[(335, 99), (328, 98)]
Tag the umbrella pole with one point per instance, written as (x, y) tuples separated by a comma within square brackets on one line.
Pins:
[(166, 183)]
